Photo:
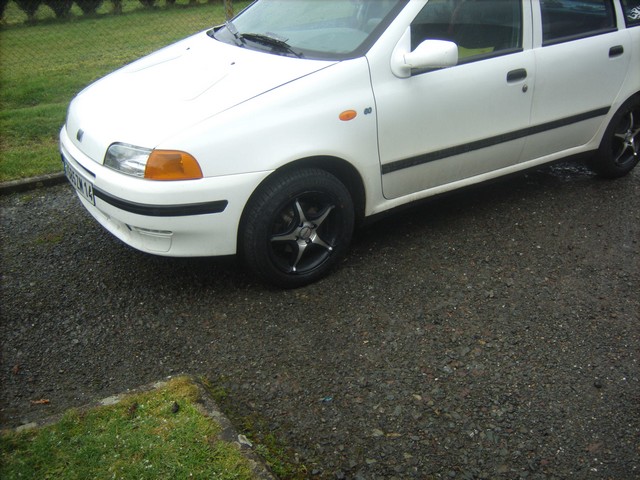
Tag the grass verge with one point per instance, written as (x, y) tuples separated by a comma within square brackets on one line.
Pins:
[(151, 435), (42, 67)]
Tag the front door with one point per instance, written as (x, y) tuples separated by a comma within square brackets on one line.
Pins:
[(444, 126)]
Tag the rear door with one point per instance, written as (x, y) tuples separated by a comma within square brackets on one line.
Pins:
[(581, 60)]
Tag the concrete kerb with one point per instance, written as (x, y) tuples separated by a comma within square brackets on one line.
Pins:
[(209, 408), (26, 184)]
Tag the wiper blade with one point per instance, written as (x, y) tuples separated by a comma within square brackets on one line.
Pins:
[(233, 30), (270, 40)]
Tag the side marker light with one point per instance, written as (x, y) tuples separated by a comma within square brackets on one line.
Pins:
[(348, 115)]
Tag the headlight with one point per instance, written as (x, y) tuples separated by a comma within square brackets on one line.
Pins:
[(127, 159), (152, 164)]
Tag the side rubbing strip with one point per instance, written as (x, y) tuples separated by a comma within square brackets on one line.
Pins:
[(162, 210), (489, 142)]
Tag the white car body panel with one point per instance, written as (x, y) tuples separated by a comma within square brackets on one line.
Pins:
[(174, 89), (590, 81), (244, 114), (414, 125), (182, 236), (288, 124), (430, 113)]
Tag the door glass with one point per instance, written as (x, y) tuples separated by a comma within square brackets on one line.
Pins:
[(480, 28), (631, 12), (564, 20)]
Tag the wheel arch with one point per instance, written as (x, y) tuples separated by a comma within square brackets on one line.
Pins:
[(632, 99), (340, 168), (610, 160), (629, 100)]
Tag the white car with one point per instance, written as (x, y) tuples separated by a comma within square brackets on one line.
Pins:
[(274, 135)]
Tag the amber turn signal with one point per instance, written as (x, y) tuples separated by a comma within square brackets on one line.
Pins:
[(348, 115), (172, 165)]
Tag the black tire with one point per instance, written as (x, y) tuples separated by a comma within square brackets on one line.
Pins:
[(620, 147), (296, 227)]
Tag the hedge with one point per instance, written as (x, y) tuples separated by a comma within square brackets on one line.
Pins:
[(62, 8)]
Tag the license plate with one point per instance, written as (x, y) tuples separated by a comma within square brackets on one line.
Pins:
[(83, 187)]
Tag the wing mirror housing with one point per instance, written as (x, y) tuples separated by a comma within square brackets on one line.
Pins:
[(429, 54)]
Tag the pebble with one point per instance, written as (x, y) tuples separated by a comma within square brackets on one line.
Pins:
[(531, 356)]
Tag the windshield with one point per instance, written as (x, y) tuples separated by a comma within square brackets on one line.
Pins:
[(319, 29)]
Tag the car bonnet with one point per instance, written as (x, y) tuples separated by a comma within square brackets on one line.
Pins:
[(165, 93)]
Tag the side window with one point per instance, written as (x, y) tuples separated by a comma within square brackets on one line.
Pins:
[(480, 28), (631, 10), (565, 20)]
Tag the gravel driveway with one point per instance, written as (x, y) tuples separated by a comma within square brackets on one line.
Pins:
[(494, 334)]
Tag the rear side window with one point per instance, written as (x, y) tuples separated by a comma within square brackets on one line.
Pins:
[(480, 28), (565, 20), (631, 12)]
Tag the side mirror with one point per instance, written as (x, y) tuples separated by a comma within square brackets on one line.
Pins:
[(429, 54)]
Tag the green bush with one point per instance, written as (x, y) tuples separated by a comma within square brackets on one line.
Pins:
[(89, 7), (66, 9), (61, 8), (30, 7)]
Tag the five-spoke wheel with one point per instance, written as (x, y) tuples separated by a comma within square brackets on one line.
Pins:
[(620, 149), (626, 140), (297, 226)]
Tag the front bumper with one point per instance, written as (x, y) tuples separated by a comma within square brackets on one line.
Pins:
[(172, 218)]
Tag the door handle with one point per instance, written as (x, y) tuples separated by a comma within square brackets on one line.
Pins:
[(616, 51), (516, 75)]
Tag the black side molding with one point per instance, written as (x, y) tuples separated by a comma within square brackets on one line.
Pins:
[(489, 142)]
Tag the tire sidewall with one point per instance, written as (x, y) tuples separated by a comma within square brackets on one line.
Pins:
[(271, 197), (604, 163)]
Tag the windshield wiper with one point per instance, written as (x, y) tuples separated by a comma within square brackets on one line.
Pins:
[(233, 30), (270, 40)]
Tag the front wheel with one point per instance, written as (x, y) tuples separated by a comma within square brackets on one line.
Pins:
[(619, 151), (296, 227)]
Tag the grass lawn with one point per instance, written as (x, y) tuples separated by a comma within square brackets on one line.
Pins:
[(161, 434), (43, 66)]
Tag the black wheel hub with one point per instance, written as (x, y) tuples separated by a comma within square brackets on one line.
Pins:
[(304, 234), (626, 141)]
